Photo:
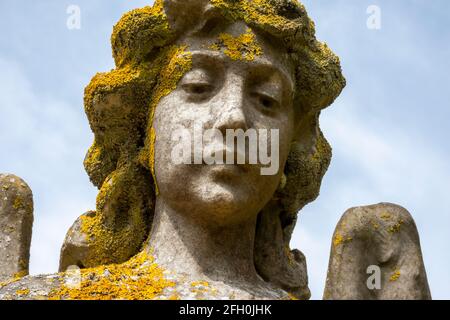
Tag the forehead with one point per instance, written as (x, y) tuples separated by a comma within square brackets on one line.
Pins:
[(239, 45)]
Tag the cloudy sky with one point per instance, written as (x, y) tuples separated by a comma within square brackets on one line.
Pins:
[(388, 129)]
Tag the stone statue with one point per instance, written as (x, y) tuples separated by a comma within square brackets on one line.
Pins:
[(380, 238), (16, 221), (165, 230)]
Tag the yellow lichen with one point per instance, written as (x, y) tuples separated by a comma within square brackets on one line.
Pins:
[(111, 240), (16, 277), (174, 296), (395, 276), (154, 30), (385, 215), (23, 292), (243, 47), (18, 203), (111, 80), (19, 275), (340, 239), (260, 11), (199, 283), (396, 227), (138, 279), (202, 288), (374, 224), (214, 47), (292, 296)]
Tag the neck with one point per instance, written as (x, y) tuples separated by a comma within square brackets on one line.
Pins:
[(182, 245)]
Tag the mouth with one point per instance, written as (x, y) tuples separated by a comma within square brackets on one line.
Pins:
[(225, 165), (234, 169)]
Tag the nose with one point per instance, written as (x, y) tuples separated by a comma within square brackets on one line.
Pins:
[(230, 113)]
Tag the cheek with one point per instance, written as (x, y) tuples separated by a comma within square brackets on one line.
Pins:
[(174, 122), (284, 125), (164, 124)]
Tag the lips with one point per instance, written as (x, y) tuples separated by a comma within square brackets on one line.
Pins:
[(226, 153)]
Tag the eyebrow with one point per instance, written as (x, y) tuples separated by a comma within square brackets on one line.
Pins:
[(259, 62)]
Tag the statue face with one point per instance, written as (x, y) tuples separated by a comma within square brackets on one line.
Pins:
[(221, 93)]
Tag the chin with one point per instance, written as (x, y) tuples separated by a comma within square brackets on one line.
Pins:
[(225, 204)]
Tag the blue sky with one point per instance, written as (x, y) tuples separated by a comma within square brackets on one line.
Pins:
[(388, 129)]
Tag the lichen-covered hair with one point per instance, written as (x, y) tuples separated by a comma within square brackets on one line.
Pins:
[(120, 103)]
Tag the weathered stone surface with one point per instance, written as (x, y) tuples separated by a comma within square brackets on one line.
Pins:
[(139, 278), (16, 220), (272, 258), (30, 287), (384, 236), (75, 249)]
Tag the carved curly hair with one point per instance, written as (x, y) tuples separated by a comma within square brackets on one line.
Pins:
[(119, 104)]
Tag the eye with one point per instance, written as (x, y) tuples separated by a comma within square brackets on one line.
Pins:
[(198, 88), (266, 102)]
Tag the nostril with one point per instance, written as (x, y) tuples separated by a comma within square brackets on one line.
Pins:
[(232, 119)]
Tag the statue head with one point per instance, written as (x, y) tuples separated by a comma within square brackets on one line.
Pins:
[(227, 64)]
